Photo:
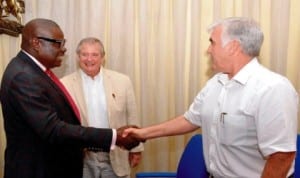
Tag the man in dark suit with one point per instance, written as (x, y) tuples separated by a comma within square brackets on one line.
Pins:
[(43, 132)]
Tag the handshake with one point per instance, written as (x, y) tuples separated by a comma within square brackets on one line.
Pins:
[(130, 140)]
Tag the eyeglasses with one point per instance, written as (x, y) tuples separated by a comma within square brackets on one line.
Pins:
[(60, 42)]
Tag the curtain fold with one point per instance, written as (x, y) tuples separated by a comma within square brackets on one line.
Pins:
[(161, 46)]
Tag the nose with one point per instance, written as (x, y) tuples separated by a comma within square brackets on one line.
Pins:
[(89, 58)]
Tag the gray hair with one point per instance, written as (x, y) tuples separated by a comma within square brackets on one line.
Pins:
[(244, 30), (90, 40)]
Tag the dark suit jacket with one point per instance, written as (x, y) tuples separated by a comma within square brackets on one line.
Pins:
[(44, 137)]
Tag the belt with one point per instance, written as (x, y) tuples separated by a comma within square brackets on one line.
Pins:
[(291, 176), (93, 149)]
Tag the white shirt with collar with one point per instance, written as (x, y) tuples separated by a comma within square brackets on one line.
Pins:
[(245, 119), (94, 94)]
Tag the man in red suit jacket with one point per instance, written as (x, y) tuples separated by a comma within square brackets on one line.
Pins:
[(44, 136)]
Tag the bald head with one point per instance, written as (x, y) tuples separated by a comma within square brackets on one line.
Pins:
[(36, 27), (44, 40)]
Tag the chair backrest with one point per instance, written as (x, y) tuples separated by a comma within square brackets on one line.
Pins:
[(297, 160), (191, 164)]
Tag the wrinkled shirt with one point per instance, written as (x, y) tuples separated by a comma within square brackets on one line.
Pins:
[(245, 119)]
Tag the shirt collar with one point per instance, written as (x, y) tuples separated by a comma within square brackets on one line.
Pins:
[(99, 76), (243, 75)]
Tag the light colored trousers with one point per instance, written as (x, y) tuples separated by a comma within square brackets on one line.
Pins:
[(99, 167)]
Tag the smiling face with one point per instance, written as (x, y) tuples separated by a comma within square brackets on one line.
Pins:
[(90, 58)]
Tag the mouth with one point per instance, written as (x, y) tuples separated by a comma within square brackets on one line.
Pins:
[(89, 64)]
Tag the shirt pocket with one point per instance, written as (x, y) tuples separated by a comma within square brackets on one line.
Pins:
[(233, 129)]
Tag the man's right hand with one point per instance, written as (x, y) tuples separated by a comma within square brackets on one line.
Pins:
[(129, 141)]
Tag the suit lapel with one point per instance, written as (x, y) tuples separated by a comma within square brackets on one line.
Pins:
[(40, 72), (79, 97), (109, 92)]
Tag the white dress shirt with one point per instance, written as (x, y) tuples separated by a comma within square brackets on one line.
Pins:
[(245, 119), (94, 95)]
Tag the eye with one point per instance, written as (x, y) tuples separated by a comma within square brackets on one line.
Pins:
[(95, 55), (84, 55)]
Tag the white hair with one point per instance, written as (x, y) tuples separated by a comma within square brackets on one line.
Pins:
[(244, 30)]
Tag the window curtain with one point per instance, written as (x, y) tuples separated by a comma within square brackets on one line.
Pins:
[(161, 45)]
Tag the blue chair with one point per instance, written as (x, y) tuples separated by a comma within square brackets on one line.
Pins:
[(191, 164), (297, 160)]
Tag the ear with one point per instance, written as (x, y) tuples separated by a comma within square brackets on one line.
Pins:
[(35, 43), (233, 47)]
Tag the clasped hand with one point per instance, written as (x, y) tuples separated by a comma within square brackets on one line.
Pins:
[(129, 141)]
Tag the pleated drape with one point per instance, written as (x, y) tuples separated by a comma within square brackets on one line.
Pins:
[(161, 45)]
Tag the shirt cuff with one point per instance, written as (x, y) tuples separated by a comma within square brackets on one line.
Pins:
[(114, 139)]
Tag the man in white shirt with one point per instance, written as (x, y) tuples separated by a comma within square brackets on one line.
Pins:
[(106, 100), (248, 114)]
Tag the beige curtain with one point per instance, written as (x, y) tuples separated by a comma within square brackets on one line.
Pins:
[(161, 45)]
